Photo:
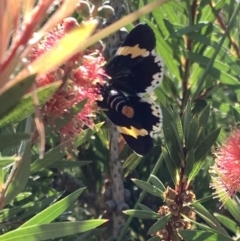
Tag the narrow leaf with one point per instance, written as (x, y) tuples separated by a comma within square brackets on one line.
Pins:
[(197, 166), (25, 106), (5, 161), (189, 29), (13, 93), (171, 135), (131, 163), (38, 206), (190, 235), (227, 222), (20, 176), (232, 206), (159, 224), (156, 182), (208, 217), (50, 213), (144, 207), (186, 119), (189, 163), (148, 188), (86, 134), (69, 164), (193, 131), (203, 120), (141, 214), (51, 231), (171, 166), (206, 144), (56, 154)]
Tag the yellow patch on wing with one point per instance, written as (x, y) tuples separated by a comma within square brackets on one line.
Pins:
[(134, 51), (132, 131)]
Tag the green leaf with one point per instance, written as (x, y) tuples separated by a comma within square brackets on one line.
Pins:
[(193, 131), (53, 155), (227, 222), (230, 60), (7, 214), (5, 161), (142, 214), (69, 164), (233, 208), (186, 119), (219, 70), (38, 206), (189, 164), (197, 166), (144, 207), (148, 188), (86, 134), (9, 140), (189, 29), (208, 13), (208, 217), (156, 182), (51, 231), (25, 106), (190, 235), (20, 176), (52, 212), (171, 136), (11, 97), (56, 154), (23, 195), (171, 166), (179, 128), (203, 120), (159, 224), (131, 163), (206, 144), (169, 9)]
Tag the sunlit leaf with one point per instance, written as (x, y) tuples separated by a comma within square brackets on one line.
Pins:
[(25, 106), (50, 213), (12, 94), (196, 235), (51, 231)]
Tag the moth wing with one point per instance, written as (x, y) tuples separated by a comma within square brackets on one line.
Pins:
[(136, 68), (137, 128)]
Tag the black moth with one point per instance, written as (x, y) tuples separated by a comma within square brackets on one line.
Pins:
[(134, 70)]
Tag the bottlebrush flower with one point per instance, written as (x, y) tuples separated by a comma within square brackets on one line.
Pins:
[(79, 74), (226, 171)]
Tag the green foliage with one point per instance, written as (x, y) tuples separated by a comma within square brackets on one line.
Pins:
[(63, 195)]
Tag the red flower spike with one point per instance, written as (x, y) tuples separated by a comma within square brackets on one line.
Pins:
[(226, 171), (80, 75)]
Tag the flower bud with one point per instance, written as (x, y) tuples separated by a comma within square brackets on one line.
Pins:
[(105, 11), (83, 8)]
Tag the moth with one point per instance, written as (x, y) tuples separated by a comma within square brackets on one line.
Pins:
[(135, 71)]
